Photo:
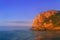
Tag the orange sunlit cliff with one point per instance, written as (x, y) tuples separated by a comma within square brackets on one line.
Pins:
[(47, 20)]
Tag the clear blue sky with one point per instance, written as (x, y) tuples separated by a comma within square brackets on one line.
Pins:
[(25, 10)]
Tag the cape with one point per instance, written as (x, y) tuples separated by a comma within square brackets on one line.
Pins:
[(47, 20)]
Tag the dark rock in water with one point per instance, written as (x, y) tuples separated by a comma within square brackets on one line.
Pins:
[(47, 20)]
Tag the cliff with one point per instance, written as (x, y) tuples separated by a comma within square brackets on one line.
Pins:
[(47, 20)]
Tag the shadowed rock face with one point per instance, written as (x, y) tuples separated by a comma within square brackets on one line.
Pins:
[(47, 20)]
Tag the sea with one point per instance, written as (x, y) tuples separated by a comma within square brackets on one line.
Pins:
[(24, 33)]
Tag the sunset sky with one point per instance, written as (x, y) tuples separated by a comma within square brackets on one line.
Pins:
[(22, 12)]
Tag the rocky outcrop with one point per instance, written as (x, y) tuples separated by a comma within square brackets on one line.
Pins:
[(47, 20)]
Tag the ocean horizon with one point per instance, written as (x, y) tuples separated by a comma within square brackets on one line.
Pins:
[(24, 33), (10, 28)]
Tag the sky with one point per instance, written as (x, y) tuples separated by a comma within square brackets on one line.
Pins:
[(22, 12)]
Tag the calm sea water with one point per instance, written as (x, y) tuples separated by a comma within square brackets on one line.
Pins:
[(23, 33)]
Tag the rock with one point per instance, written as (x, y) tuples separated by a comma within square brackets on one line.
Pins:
[(47, 20)]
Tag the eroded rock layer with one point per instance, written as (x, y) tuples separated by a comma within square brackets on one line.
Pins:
[(47, 20)]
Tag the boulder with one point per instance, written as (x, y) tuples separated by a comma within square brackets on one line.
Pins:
[(47, 20)]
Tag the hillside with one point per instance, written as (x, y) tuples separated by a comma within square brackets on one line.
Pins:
[(47, 20)]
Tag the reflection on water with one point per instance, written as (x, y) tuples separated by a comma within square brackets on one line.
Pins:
[(46, 35), (29, 35)]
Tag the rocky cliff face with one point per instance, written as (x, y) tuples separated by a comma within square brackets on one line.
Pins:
[(47, 20)]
